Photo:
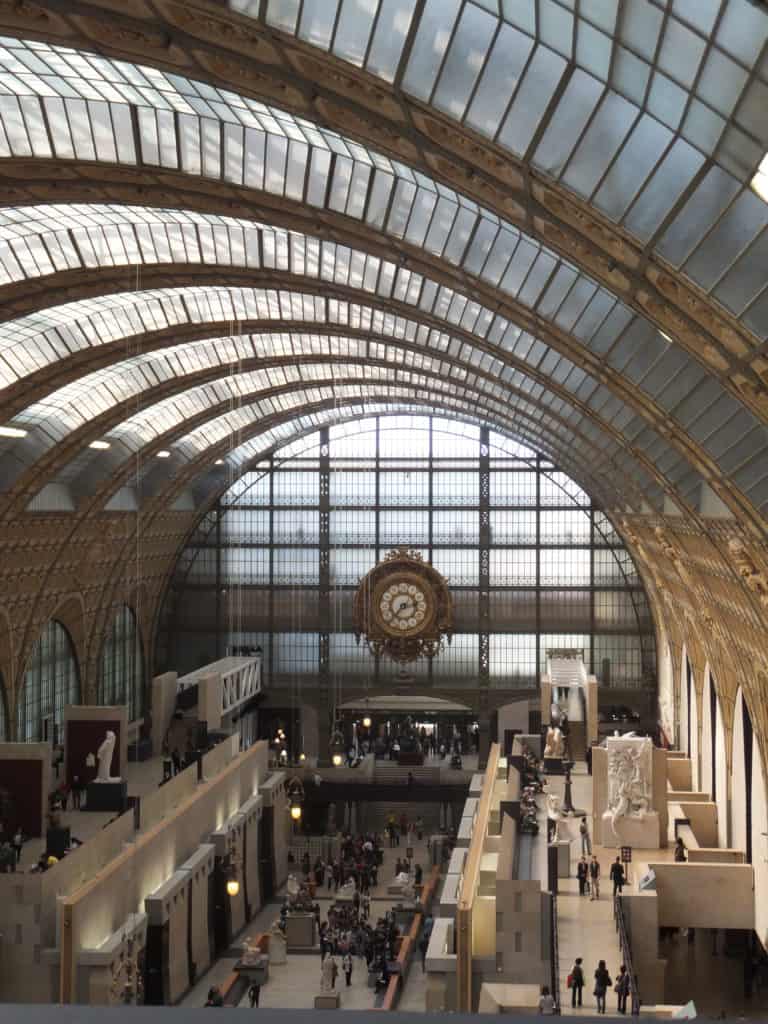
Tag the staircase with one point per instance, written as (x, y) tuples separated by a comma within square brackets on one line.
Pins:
[(568, 672), (391, 773)]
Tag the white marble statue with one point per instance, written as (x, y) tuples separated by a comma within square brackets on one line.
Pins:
[(554, 815), (403, 878), (328, 971), (104, 758), (554, 745), (292, 887), (347, 891), (630, 760)]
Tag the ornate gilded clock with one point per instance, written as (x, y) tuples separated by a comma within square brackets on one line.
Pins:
[(403, 608)]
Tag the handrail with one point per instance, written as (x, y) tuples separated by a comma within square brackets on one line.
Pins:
[(626, 953)]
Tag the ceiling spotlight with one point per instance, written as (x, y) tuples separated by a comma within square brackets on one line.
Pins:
[(760, 181), (219, 462), (367, 722), (12, 432), (164, 454), (99, 446)]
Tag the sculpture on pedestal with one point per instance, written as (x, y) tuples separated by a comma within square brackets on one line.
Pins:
[(629, 778), (554, 745), (104, 758)]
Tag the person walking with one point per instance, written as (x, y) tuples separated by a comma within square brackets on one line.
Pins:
[(577, 982), (602, 983), (423, 947), (346, 964), (622, 989), (582, 873), (586, 842), (617, 876), (18, 843), (546, 1003), (594, 878), (680, 854), (254, 992), (77, 792)]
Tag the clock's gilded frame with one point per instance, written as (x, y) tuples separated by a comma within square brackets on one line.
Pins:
[(424, 640)]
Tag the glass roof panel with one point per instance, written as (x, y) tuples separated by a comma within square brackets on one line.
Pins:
[(496, 66)]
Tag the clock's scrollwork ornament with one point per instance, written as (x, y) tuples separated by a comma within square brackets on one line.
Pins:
[(403, 608)]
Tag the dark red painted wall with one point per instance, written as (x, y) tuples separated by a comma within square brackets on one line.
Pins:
[(84, 737), (21, 796)]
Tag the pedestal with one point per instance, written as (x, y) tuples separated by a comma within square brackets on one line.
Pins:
[(106, 796), (563, 848), (639, 833), (299, 932), (278, 950), (328, 1001)]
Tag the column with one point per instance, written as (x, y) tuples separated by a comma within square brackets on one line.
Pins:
[(324, 696)]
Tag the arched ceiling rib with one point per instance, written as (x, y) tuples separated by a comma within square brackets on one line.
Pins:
[(594, 315), (92, 408), (260, 439), (205, 422)]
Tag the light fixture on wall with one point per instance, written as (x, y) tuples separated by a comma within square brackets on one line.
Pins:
[(366, 721), (294, 790), (336, 747), (230, 866)]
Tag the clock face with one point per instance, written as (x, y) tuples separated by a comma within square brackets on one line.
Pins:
[(404, 606)]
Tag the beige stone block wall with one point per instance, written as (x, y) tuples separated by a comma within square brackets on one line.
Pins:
[(679, 772), (599, 792), (163, 697), (100, 907), (703, 819), (209, 700), (685, 895), (160, 802), (641, 912), (199, 867), (660, 767), (590, 697)]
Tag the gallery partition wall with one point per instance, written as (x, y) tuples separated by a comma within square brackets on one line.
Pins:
[(532, 564)]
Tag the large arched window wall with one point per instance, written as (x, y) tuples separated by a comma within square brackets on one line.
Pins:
[(558, 575), (123, 678), (51, 681)]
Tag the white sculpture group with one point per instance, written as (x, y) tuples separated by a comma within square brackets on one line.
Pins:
[(630, 762)]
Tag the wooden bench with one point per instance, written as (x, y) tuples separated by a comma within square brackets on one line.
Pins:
[(408, 945)]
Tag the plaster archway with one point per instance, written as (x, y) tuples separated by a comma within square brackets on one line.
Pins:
[(739, 789), (685, 703), (760, 843), (694, 751), (721, 793)]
